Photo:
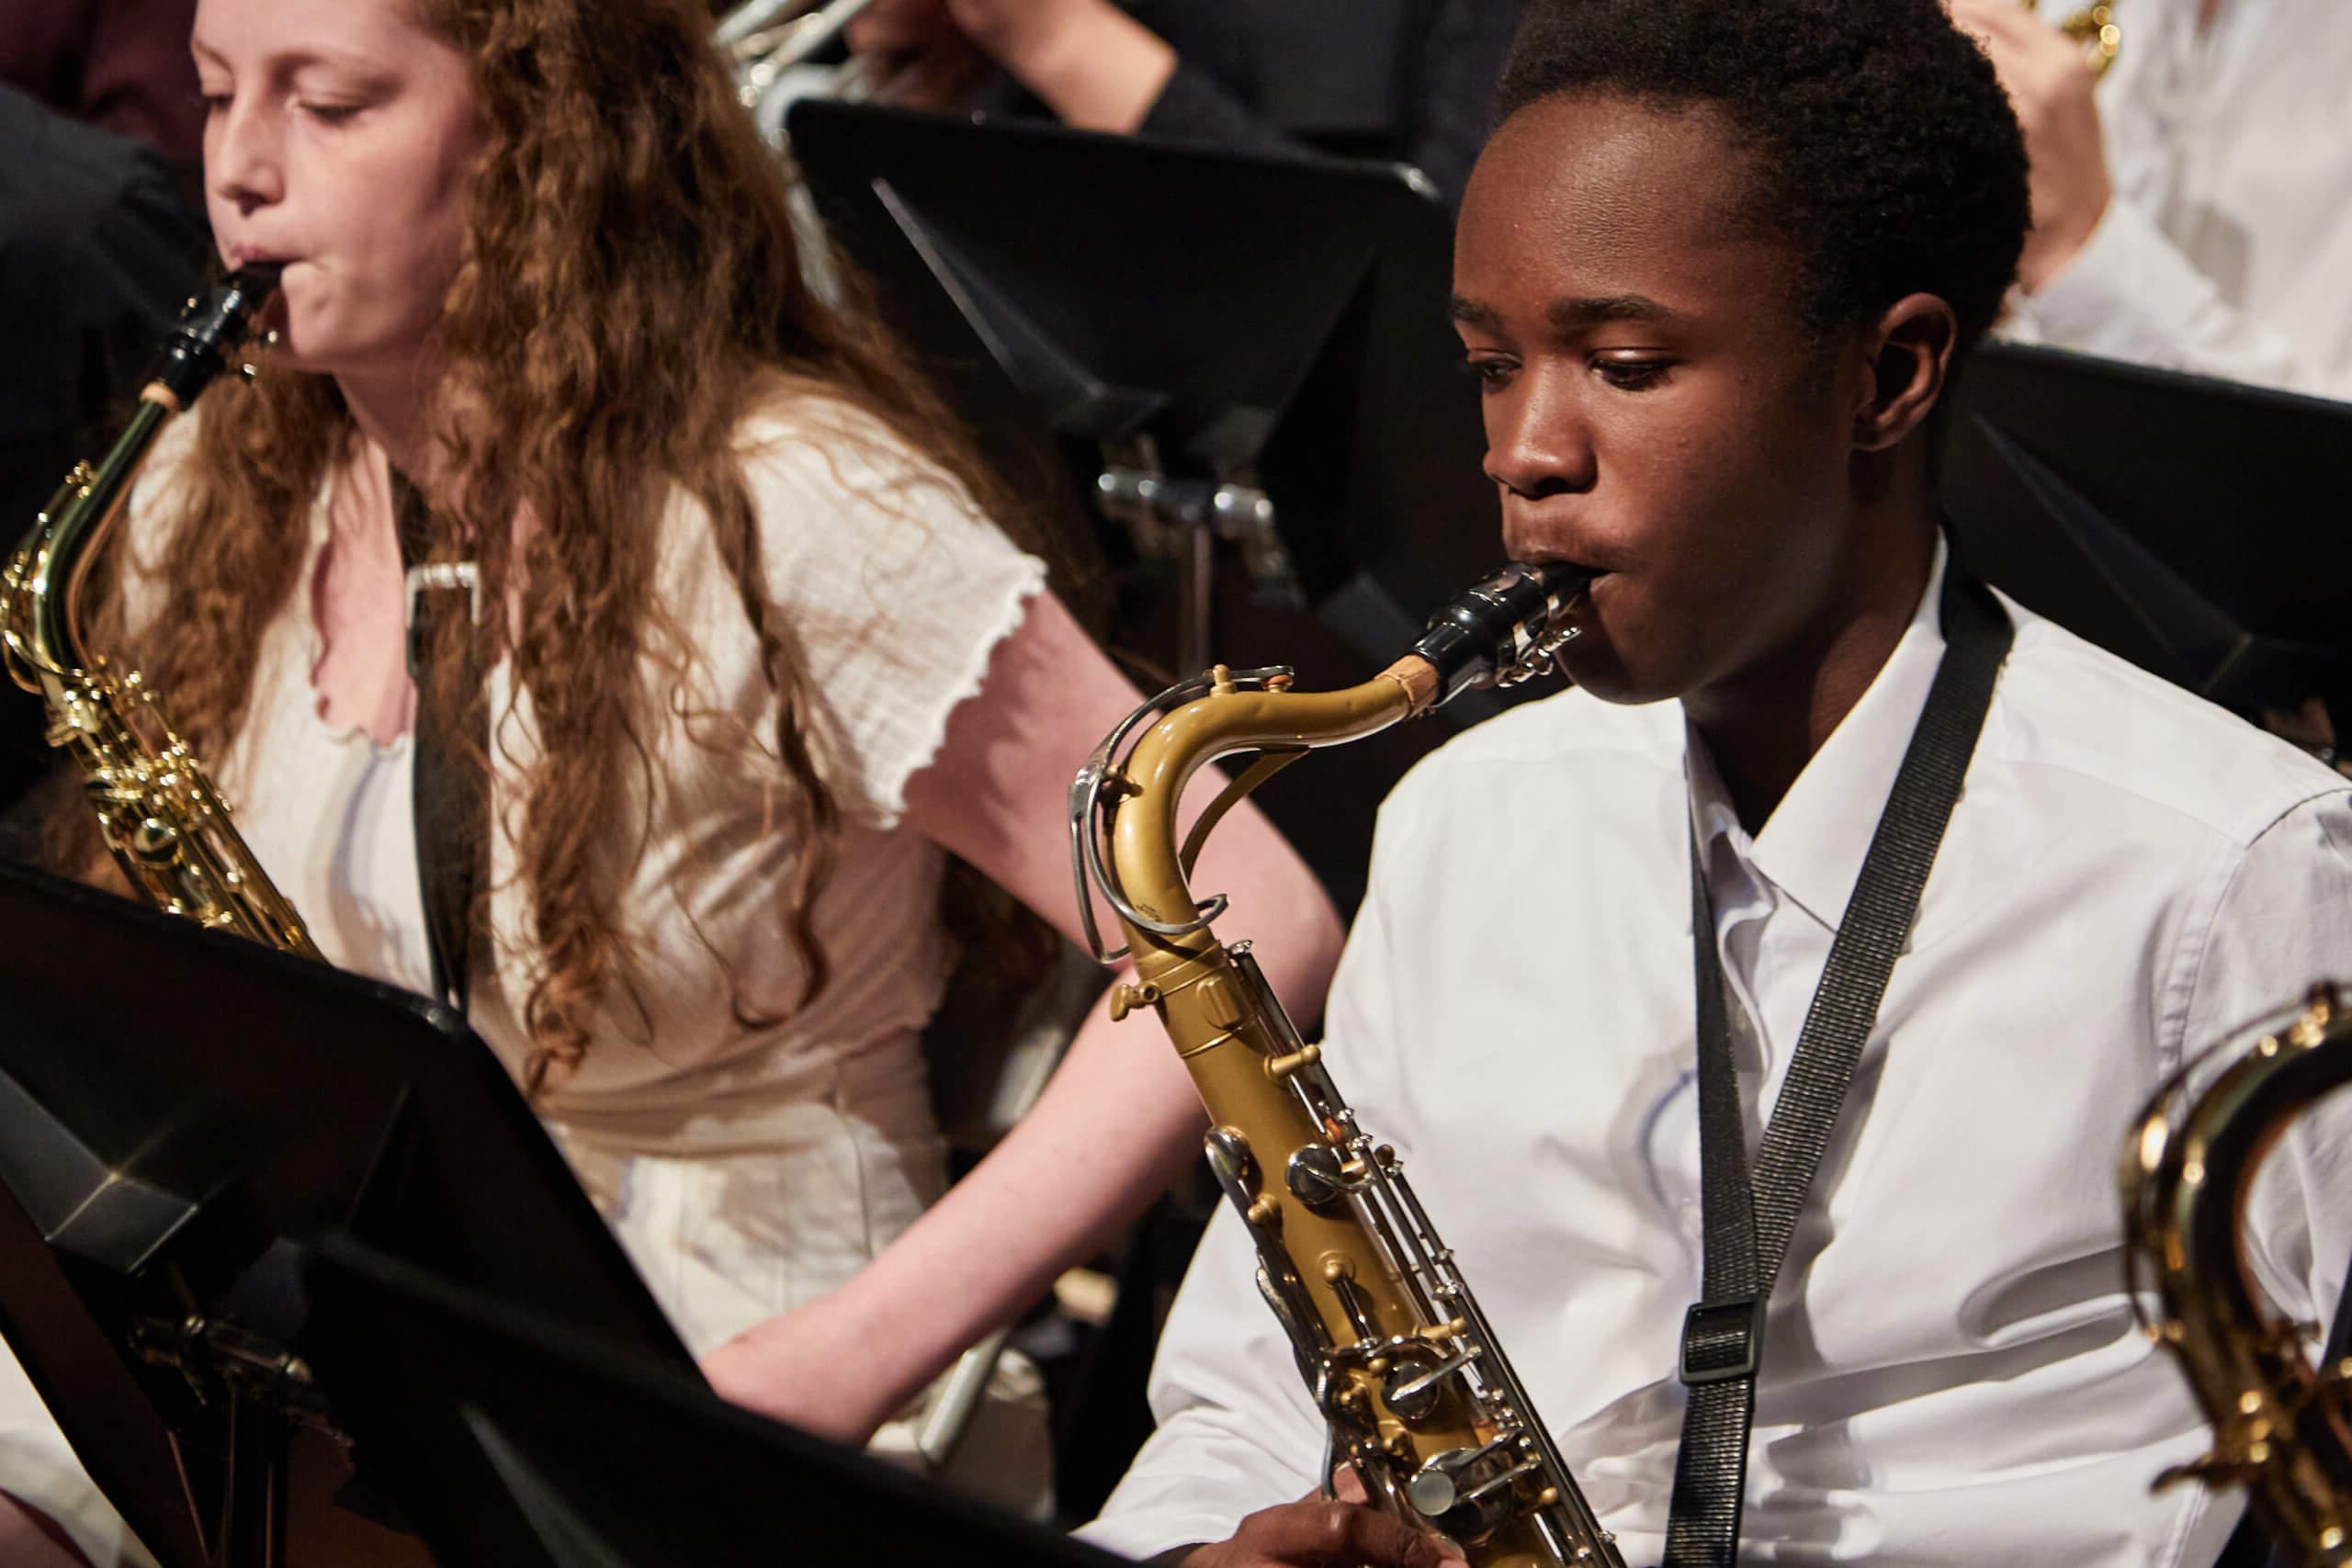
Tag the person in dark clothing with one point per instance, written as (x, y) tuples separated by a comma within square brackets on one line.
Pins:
[(102, 233), (97, 251), (119, 64), (1409, 80)]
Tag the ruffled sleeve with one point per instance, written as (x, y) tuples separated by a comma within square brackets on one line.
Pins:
[(896, 587)]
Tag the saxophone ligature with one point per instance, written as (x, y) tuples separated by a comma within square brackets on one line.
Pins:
[(158, 815), (1414, 1388), (2282, 1428)]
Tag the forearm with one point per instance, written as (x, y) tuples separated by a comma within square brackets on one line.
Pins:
[(1092, 63), (2132, 294), (30, 1538), (1115, 1125)]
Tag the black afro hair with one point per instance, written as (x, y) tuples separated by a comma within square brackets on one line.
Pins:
[(1886, 151)]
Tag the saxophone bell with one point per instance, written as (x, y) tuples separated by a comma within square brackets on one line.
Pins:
[(2281, 1430)]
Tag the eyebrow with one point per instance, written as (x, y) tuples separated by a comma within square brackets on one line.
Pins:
[(1571, 315), (359, 65)]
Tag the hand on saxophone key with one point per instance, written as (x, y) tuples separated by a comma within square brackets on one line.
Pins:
[(1314, 1533)]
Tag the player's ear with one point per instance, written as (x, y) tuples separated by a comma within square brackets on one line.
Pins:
[(1907, 361)]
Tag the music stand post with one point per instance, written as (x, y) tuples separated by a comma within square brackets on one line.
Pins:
[(179, 1110)]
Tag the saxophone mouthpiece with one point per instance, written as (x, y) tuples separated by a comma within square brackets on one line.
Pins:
[(1504, 630), (213, 327)]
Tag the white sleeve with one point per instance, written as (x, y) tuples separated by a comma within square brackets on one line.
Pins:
[(2130, 294), (2284, 923), (1237, 1430), (1236, 1433), (37, 1468), (895, 586)]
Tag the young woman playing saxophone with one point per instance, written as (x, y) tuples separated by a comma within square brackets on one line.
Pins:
[(759, 656)]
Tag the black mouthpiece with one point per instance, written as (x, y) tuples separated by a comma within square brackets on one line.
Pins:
[(213, 327), (1481, 637)]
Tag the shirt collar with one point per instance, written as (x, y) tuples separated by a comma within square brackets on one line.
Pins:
[(1813, 845)]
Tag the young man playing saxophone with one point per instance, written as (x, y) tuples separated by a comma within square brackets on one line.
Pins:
[(1716, 272)]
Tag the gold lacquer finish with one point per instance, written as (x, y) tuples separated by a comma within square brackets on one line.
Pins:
[(2279, 1427), (166, 826), (1415, 1390), (2093, 28)]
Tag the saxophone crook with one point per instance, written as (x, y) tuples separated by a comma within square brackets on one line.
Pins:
[(159, 818), (1415, 1391)]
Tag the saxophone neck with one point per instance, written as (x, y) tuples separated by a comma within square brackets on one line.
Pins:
[(40, 611), (1139, 859), (1124, 806), (42, 615)]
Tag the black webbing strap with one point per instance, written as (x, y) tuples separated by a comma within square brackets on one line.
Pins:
[(1749, 1225), (447, 789)]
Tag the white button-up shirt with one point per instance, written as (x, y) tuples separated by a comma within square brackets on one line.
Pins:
[(2227, 248), (1951, 1373)]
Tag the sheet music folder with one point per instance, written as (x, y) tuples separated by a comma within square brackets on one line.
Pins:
[(521, 1442), (2196, 527), (178, 1109)]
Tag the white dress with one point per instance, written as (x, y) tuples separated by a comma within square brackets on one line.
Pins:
[(746, 1168)]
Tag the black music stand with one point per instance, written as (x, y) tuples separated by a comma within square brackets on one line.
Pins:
[(1217, 351), (516, 1441), (2196, 527), (178, 1109), (1222, 340)]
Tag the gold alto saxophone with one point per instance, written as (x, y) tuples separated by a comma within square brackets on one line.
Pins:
[(2281, 1427), (159, 816), (1414, 1389)]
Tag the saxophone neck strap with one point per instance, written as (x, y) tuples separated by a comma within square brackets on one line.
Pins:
[(1749, 1217), (452, 721)]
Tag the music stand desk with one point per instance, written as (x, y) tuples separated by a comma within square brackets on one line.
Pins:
[(521, 1442), (2196, 527), (178, 1109)]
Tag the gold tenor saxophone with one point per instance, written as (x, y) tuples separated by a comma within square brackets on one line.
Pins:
[(158, 813), (2281, 1427), (1414, 1388)]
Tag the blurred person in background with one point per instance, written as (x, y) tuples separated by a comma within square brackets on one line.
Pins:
[(101, 237), (2193, 206), (1405, 81), (99, 220), (121, 65)]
